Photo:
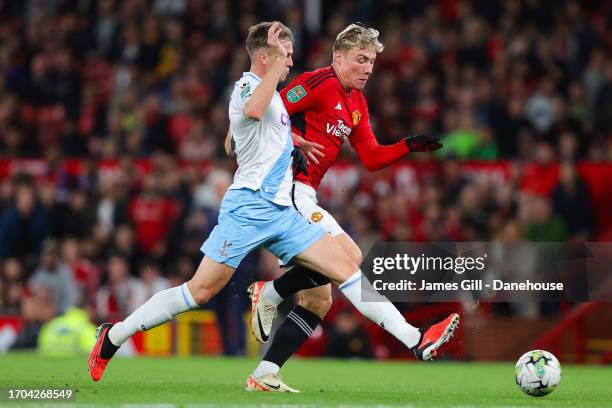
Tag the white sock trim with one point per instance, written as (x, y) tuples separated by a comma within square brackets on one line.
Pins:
[(271, 295), (187, 297), (354, 278), (117, 334), (264, 368)]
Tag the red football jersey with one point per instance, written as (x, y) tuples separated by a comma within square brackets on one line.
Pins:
[(323, 112)]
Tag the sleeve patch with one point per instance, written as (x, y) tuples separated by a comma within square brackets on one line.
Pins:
[(245, 90), (296, 93)]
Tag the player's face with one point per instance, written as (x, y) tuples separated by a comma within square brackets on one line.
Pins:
[(288, 44), (356, 66)]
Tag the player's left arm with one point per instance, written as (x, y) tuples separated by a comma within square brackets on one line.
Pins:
[(229, 145), (375, 156)]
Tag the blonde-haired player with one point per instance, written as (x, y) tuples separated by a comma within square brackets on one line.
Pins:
[(327, 108)]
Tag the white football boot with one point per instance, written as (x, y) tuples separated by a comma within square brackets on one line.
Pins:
[(262, 313), (268, 382)]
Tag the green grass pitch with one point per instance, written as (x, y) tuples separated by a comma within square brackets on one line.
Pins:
[(213, 382)]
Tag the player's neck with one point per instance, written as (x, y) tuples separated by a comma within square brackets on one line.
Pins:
[(343, 81), (258, 70)]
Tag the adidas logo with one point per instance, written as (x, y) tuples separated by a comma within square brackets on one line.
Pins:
[(338, 106)]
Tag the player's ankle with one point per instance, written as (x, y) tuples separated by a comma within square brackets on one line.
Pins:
[(270, 294), (265, 368), (117, 334), (108, 349)]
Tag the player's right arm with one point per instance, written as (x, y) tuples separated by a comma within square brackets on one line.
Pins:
[(375, 156), (299, 97), (257, 105)]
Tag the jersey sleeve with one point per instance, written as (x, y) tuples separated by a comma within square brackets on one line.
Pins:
[(297, 96), (373, 155), (244, 90)]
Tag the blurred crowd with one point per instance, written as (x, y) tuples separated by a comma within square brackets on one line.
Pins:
[(493, 78), (527, 81)]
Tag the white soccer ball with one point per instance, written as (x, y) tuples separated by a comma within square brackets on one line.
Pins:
[(538, 373)]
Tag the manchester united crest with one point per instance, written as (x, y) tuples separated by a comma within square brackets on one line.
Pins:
[(356, 117), (316, 216)]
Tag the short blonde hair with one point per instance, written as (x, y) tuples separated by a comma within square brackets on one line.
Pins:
[(357, 36), (258, 36)]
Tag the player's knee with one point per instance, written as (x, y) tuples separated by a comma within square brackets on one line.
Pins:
[(345, 267), (348, 267), (356, 255), (318, 305)]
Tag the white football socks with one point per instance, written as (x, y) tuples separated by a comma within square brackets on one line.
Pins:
[(381, 312), (162, 307), (265, 367), (270, 294)]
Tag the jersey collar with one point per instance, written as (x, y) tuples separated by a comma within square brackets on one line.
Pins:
[(254, 76), (251, 75)]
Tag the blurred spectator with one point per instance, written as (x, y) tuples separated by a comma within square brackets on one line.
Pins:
[(540, 110), (541, 224), (55, 276), (114, 299), (11, 285), (571, 202), (124, 245), (152, 215), (151, 281), (23, 226), (347, 338), (86, 273), (71, 333), (74, 217), (37, 308), (197, 147)]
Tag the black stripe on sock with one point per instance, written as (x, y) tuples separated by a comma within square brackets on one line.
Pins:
[(290, 336), (301, 323)]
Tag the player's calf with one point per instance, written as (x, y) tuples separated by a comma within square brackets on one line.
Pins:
[(317, 300)]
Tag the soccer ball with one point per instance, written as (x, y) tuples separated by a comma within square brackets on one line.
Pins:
[(538, 373)]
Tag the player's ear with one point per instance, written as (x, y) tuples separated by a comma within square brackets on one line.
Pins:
[(338, 56), (261, 56)]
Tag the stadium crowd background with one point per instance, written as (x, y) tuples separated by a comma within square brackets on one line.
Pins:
[(523, 81)]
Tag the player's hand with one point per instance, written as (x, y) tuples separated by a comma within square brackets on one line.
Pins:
[(423, 143), (299, 162), (274, 40), (310, 149)]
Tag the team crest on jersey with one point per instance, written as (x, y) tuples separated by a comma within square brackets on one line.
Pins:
[(316, 217), (296, 93), (245, 90), (356, 117)]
